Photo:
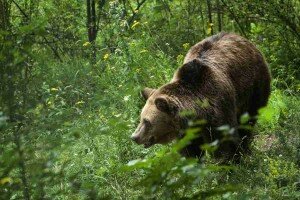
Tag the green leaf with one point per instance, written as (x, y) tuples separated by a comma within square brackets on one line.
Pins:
[(244, 118)]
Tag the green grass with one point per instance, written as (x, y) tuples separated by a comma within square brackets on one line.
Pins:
[(93, 125), (82, 120), (73, 139)]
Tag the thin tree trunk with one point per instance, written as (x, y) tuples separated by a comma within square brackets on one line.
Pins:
[(4, 13), (219, 16), (210, 21), (8, 93), (202, 18), (4, 26), (94, 31), (91, 25)]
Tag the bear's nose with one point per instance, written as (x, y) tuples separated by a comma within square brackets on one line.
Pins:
[(135, 138)]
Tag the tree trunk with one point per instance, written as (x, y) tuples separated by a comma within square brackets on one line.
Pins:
[(91, 26), (219, 16), (8, 81), (202, 18), (210, 21)]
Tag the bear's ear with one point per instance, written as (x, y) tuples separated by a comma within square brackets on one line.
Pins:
[(193, 72), (147, 92), (165, 105)]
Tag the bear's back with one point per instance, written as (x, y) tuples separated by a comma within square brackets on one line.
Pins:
[(235, 59)]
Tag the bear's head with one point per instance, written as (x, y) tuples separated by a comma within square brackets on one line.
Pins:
[(159, 122)]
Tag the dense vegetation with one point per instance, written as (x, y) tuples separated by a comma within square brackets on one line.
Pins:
[(70, 78)]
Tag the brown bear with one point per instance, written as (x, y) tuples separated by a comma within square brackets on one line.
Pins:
[(228, 72)]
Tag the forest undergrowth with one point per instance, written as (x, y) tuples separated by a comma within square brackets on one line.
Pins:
[(69, 104)]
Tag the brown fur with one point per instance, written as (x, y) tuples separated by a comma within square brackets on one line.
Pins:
[(229, 72)]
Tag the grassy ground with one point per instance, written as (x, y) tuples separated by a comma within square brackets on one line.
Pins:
[(79, 136), (67, 135), (99, 113)]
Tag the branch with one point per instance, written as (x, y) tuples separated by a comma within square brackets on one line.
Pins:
[(131, 19), (46, 40), (235, 19), (288, 22)]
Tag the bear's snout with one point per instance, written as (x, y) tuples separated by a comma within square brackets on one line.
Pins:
[(140, 140), (138, 135), (135, 138)]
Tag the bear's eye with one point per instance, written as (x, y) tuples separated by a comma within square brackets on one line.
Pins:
[(147, 123)]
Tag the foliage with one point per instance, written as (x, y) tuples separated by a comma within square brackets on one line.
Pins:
[(174, 177), (65, 120)]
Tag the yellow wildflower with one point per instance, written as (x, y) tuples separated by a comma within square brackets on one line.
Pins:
[(86, 44), (180, 58), (186, 45), (53, 89), (5, 180), (106, 56)]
